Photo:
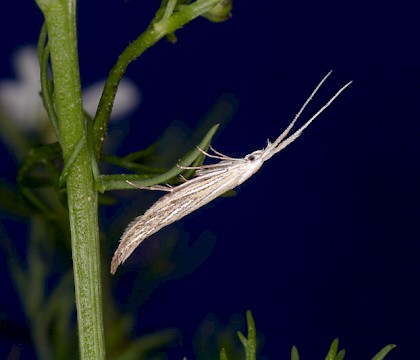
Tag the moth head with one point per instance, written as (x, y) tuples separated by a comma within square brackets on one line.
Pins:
[(249, 165), (256, 155)]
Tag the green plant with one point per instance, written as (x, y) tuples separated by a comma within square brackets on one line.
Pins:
[(60, 187), (48, 190)]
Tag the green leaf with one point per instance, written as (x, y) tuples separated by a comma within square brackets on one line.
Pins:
[(44, 154), (333, 350), (295, 353), (142, 154), (47, 86), (118, 182), (223, 355), (70, 161), (39, 169), (383, 352), (139, 347), (124, 163), (12, 201), (340, 355), (242, 338), (249, 344)]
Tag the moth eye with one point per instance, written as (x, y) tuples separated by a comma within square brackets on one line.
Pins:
[(251, 157)]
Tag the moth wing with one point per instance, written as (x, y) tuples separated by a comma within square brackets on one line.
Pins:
[(172, 207)]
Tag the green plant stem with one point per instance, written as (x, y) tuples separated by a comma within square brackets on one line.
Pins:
[(153, 34), (119, 182), (60, 17)]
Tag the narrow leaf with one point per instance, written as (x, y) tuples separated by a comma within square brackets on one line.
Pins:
[(46, 82), (340, 355), (223, 355), (295, 353), (118, 182), (383, 352), (141, 346), (333, 350), (252, 333), (243, 339), (70, 161), (249, 344)]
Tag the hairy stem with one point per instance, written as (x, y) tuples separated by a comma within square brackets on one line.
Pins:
[(60, 17)]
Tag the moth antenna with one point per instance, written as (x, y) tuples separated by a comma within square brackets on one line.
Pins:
[(305, 104), (298, 132), (280, 145)]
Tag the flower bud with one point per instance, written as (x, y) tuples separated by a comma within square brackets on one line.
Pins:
[(220, 12)]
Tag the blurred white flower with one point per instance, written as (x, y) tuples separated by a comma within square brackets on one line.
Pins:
[(127, 99), (19, 98), (21, 102)]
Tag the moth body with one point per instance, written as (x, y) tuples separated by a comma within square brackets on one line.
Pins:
[(210, 182), (182, 200)]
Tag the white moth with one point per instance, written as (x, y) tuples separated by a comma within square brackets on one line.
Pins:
[(210, 182)]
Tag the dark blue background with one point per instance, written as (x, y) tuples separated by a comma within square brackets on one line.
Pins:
[(323, 241)]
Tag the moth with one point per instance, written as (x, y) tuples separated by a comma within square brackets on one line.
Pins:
[(210, 182)]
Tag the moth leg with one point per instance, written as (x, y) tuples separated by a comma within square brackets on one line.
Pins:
[(188, 167), (182, 178), (166, 187), (219, 155)]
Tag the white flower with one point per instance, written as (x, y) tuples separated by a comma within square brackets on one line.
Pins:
[(19, 98), (21, 102), (127, 98)]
